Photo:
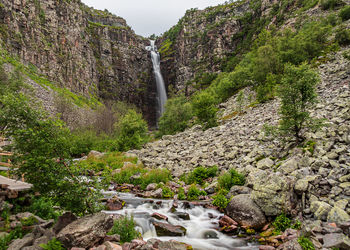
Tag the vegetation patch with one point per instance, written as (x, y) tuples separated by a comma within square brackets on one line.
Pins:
[(125, 227)]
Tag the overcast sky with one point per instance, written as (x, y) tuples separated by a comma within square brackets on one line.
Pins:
[(149, 17)]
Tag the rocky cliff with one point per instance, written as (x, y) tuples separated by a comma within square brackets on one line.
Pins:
[(87, 51), (205, 42)]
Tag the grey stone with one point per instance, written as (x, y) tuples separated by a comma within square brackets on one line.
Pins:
[(243, 210), (337, 215), (336, 241)]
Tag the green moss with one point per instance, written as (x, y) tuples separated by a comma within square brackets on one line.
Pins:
[(306, 243)]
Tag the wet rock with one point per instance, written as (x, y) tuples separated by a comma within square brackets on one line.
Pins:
[(112, 246), (173, 245), (115, 204), (157, 193), (63, 221), (243, 210), (86, 232), (182, 215), (227, 224), (266, 248), (165, 229), (336, 241), (159, 216)]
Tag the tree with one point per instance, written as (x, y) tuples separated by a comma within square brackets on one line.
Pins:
[(204, 107), (132, 131), (41, 148), (298, 95), (178, 113)]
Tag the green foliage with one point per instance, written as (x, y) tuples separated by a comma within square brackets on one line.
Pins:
[(167, 193), (53, 244), (204, 108), (193, 193), (176, 118), (43, 207), (200, 174), (342, 35), (231, 178), (146, 176), (345, 13), (43, 151), (220, 201), (132, 131), (296, 225), (16, 233), (30, 221), (330, 4), (281, 223), (181, 194), (298, 95), (125, 227), (310, 146), (306, 243), (166, 49)]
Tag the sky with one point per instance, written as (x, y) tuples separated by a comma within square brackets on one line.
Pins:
[(149, 17)]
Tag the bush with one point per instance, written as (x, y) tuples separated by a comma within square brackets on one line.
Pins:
[(193, 193), (167, 193), (53, 244), (345, 13), (306, 243), (220, 201), (155, 176), (342, 36), (281, 223), (43, 207), (199, 174), (132, 131), (231, 178), (178, 113), (204, 108), (330, 4), (125, 227), (181, 194)]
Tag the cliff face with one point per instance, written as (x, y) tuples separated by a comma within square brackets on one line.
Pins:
[(209, 40), (90, 52)]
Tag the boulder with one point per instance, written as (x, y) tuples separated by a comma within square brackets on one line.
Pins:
[(290, 245), (182, 215), (21, 243), (95, 154), (165, 229), (63, 221), (290, 165), (243, 210), (336, 240), (236, 190), (272, 192), (320, 209), (151, 187), (115, 204), (157, 193), (86, 232), (159, 216), (337, 215), (112, 246), (264, 164)]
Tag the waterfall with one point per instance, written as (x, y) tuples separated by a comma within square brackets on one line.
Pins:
[(161, 92)]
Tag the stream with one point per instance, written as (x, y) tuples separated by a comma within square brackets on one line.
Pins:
[(202, 233)]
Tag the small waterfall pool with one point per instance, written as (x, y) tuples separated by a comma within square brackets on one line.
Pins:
[(202, 233)]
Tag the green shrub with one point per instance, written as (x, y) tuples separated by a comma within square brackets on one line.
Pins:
[(345, 13), (167, 193), (126, 172), (220, 201), (30, 221), (199, 174), (193, 193), (181, 194), (204, 108), (125, 227), (178, 113), (155, 176), (231, 178), (342, 36), (132, 131), (306, 243), (53, 244), (330, 4), (16, 233), (281, 223), (43, 207)]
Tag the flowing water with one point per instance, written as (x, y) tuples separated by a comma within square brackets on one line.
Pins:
[(202, 233), (161, 92)]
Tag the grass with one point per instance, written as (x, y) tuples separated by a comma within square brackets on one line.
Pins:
[(125, 227)]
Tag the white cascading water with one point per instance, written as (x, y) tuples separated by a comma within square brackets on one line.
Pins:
[(161, 92), (202, 227)]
